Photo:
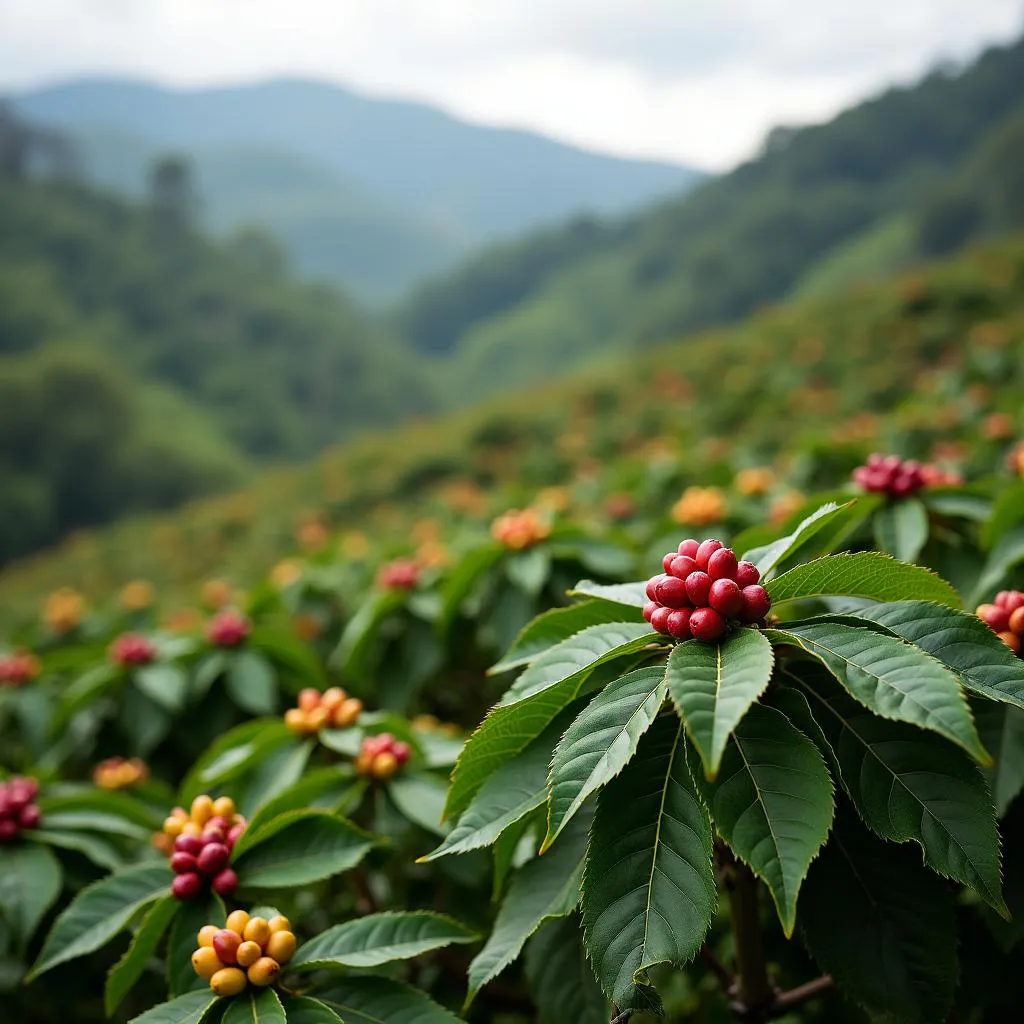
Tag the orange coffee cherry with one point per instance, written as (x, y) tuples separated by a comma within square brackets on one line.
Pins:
[(248, 953), (206, 934), (228, 982), (297, 720), (202, 809), (279, 924), (237, 920), (317, 719), (332, 697), (264, 971), (309, 699), (206, 963), (257, 930), (346, 713), (281, 946), (1017, 622), (385, 765), (1011, 640), (223, 807)]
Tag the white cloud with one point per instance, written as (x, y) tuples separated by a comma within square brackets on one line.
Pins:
[(694, 81)]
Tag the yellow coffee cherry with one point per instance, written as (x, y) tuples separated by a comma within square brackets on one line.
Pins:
[(237, 920), (264, 971), (202, 809), (295, 719), (228, 981), (281, 946), (173, 826), (224, 807), (206, 934), (190, 828), (332, 697), (257, 930), (205, 963), (279, 924), (248, 953), (385, 765), (347, 712), (317, 719)]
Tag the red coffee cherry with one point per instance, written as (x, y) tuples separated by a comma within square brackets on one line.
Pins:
[(671, 592), (659, 618), (225, 883), (213, 859), (186, 887), (651, 590), (698, 588), (225, 945), (183, 863), (746, 574), (722, 564), (756, 603), (726, 598), (704, 552), (649, 609), (689, 548), (706, 625), (682, 566), (678, 623), (668, 560)]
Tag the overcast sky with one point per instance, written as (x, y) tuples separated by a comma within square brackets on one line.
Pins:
[(698, 81)]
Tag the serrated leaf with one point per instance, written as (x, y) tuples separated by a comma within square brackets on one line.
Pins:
[(183, 939), (891, 677), (509, 728), (163, 684), (419, 798), (187, 1009), (544, 888), (556, 625), (630, 595), (100, 850), (881, 925), (252, 682), (911, 785), (95, 821), (772, 803), (713, 685), (99, 912), (304, 1010), (371, 999), (377, 939), (516, 788), (600, 742), (30, 880), (649, 890), (301, 847), (1002, 729), (123, 976), (561, 981), (580, 652), (901, 528), (869, 574), (255, 1006), (961, 641), (74, 797)]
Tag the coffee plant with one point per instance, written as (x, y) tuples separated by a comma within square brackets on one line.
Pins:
[(774, 777)]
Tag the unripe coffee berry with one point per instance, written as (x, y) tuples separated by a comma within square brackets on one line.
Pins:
[(228, 982), (281, 946), (186, 887), (706, 625), (248, 953), (206, 963), (224, 807), (237, 920), (698, 588), (726, 597), (257, 930), (202, 809), (280, 923), (225, 945), (264, 971), (206, 934), (722, 565)]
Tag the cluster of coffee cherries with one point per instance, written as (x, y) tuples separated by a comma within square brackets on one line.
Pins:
[(202, 841), (518, 530), (332, 709), (120, 772), (132, 649), (18, 810), (382, 756), (401, 574), (246, 951), (890, 475), (18, 668), (228, 628), (1005, 617), (702, 590)]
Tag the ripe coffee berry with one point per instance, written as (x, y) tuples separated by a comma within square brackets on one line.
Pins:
[(228, 628), (201, 841), (131, 649), (332, 709), (517, 530), (1005, 617), (402, 574), (890, 475), (246, 951), (703, 590), (18, 810), (382, 756), (18, 668)]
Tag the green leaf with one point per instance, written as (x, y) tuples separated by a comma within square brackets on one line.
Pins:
[(252, 683), (1002, 560), (561, 982), (30, 880), (301, 847), (901, 528), (910, 785), (99, 912), (516, 788), (529, 570), (464, 577), (183, 939), (289, 655), (304, 1010), (961, 641), (420, 798), (274, 773), (580, 652), (1007, 512), (772, 803), (631, 595), (209, 669), (1002, 728), (881, 925), (649, 891), (712, 686), (127, 971), (233, 754), (188, 1009), (371, 999), (255, 1006), (510, 727), (544, 888), (556, 625), (600, 742), (378, 939), (163, 684), (95, 821), (362, 630), (869, 574), (100, 850), (73, 797), (893, 678)]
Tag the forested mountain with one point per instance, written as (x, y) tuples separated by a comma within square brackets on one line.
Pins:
[(913, 172), (369, 192)]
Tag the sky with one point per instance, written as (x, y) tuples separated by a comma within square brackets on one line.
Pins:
[(693, 81)]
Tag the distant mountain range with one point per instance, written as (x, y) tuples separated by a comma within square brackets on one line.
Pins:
[(369, 192)]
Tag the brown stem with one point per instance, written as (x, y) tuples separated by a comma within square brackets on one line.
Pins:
[(365, 901), (753, 988), (785, 1001), (620, 1018)]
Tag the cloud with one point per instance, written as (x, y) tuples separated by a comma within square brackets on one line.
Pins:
[(695, 81)]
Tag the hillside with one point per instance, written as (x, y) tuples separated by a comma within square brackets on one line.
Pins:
[(747, 238), (339, 175), (804, 390)]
